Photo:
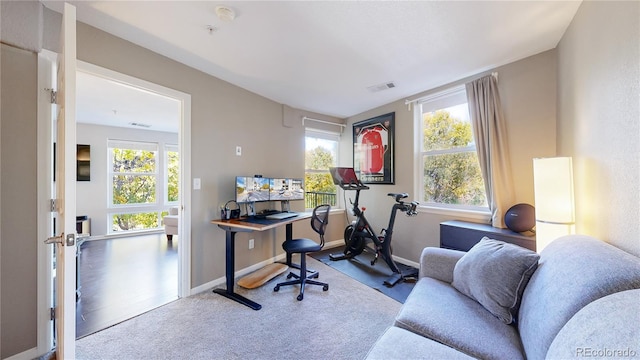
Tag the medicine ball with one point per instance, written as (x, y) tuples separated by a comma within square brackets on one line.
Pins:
[(520, 218)]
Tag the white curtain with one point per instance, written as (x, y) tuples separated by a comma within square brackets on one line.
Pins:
[(490, 133)]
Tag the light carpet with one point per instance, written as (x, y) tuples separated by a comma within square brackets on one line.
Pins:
[(341, 323)]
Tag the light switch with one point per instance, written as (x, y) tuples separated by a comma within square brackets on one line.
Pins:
[(238, 150), (196, 184)]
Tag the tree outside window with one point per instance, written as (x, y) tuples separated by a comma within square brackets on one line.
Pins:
[(321, 154), (451, 171), (173, 173)]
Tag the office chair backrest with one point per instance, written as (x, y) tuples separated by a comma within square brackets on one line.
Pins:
[(320, 219)]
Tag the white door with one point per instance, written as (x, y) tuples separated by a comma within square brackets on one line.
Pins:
[(65, 178)]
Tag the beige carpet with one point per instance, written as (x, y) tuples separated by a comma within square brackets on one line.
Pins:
[(342, 323)]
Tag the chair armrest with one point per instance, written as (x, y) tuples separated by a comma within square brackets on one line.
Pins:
[(438, 263)]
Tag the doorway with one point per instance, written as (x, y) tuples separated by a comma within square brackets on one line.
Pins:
[(180, 244), (124, 116)]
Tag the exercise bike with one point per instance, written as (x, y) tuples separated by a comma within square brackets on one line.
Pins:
[(357, 234)]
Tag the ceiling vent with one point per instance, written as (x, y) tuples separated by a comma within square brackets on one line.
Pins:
[(140, 125), (380, 87)]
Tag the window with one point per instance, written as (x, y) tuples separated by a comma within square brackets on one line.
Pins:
[(172, 173), (449, 170), (321, 153), (133, 174)]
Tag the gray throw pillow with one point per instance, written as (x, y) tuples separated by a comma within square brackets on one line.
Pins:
[(495, 273)]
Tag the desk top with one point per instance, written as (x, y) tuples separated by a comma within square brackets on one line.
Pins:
[(248, 224)]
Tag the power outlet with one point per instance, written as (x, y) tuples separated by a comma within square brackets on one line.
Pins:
[(251, 243)]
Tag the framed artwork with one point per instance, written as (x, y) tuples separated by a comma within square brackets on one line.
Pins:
[(373, 149)]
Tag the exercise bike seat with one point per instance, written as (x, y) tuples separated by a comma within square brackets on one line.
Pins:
[(398, 197)]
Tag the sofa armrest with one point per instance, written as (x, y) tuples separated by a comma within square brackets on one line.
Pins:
[(438, 263)]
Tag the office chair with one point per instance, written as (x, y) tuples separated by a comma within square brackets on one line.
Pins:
[(319, 221)]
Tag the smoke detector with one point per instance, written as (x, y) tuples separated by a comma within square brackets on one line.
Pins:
[(225, 13)]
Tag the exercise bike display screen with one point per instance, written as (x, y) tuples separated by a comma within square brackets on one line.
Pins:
[(343, 175)]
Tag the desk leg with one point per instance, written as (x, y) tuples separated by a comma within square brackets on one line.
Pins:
[(289, 236), (229, 272)]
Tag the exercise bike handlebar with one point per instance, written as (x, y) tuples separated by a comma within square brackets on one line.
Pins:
[(353, 185)]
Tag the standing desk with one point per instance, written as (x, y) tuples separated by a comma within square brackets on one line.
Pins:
[(244, 224)]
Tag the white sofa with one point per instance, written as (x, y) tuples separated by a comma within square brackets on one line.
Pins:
[(171, 223)]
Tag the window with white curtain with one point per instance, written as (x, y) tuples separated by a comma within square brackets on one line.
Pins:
[(448, 167)]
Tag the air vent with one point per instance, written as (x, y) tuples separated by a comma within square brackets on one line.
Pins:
[(140, 124), (380, 87)]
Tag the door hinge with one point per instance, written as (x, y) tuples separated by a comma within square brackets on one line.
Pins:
[(53, 205), (53, 95), (52, 313)]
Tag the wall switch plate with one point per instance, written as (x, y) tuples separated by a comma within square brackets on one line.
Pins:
[(251, 243), (196, 184), (238, 150)]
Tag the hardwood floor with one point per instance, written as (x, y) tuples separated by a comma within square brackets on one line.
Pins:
[(124, 277)]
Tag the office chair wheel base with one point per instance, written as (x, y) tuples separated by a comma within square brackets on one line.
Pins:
[(300, 297), (325, 288), (277, 288)]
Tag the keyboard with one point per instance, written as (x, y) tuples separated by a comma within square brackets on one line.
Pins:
[(281, 216)]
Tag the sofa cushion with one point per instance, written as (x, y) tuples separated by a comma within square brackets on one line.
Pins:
[(606, 328), (436, 310), (495, 273), (397, 343), (573, 271)]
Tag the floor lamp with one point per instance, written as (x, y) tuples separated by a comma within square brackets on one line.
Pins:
[(554, 203)]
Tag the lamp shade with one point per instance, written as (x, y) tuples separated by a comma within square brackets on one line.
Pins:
[(554, 202)]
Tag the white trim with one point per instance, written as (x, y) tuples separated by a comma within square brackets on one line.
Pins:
[(46, 61), (342, 126), (478, 215), (436, 95)]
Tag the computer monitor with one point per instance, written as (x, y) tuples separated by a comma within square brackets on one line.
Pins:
[(251, 189), (285, 189)]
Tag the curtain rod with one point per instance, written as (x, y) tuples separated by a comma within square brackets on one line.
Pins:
[(342, 126), (444, 92)]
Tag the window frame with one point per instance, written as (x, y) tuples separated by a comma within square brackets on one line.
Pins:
[(438, 101), (139, 208)]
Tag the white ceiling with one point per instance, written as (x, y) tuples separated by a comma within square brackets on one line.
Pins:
[(321, 56)]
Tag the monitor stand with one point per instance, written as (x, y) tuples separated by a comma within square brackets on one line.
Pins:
[(285, 205), (251, 209)]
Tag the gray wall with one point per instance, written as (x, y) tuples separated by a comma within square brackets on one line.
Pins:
[(528, 93), (18, 230), (599, 118)]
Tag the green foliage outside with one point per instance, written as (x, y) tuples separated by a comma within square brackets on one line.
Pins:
[(451, 178), (173, 175), (317, 178), (137, 221), (135, 184)]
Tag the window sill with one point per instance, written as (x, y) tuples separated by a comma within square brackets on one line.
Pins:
[(481, 216)]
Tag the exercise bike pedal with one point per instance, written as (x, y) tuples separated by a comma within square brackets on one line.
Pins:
[(336, 257), (393, 280)]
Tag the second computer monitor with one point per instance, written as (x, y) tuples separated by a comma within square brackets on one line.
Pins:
[(285, 189)]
